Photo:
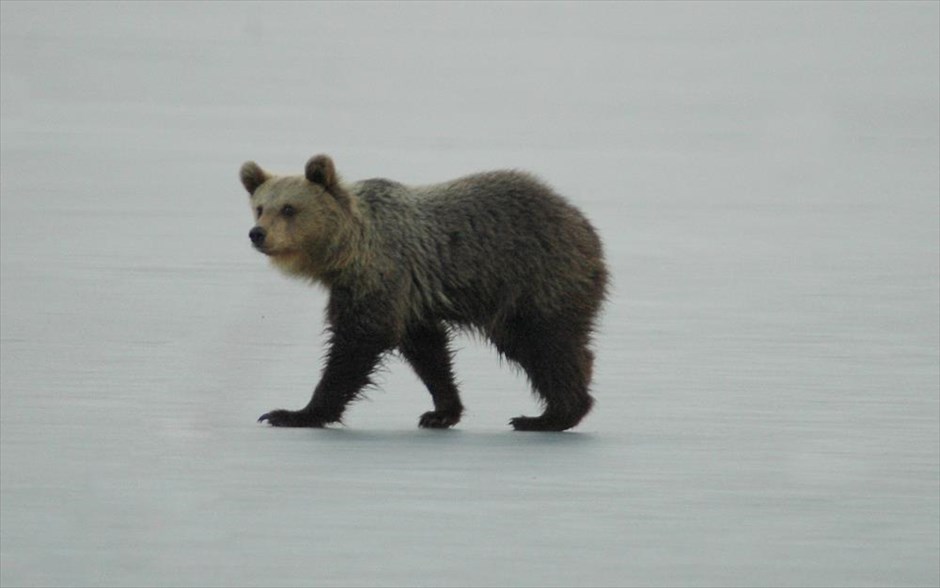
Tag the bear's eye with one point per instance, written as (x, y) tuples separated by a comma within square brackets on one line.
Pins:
[(259, 210), (288, 210)]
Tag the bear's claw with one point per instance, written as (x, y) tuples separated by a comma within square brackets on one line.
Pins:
[(435, 419), (542, 423), (291, 418)]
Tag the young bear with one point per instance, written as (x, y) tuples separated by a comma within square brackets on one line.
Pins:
[(499, 253)]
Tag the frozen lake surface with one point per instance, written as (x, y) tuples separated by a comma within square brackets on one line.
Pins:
[(766, 180)]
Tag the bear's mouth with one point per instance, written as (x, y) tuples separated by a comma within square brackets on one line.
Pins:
[(277, 253), (269, 251)]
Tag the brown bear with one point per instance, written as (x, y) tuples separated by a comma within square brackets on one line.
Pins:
[(499, 253)]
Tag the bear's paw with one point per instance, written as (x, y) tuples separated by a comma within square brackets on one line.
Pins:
[(293, 418), (439, 419)]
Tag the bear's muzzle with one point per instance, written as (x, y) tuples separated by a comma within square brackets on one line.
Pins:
[(257, 236)]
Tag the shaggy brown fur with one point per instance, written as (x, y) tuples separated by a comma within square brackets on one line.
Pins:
[(497, 252)]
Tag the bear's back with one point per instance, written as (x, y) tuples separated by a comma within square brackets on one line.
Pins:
[(487, 240)]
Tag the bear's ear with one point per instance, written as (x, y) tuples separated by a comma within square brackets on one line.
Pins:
[(320, 170), (252, 176)]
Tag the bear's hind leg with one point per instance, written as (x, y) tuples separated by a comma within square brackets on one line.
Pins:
[(558, 365), (426, 349)]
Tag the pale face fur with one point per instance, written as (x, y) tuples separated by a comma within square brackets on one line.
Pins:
[(303, 225)]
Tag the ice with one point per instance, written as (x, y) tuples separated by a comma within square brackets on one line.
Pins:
[(766, 178)]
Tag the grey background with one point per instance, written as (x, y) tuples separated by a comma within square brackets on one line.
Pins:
[(765, 177)]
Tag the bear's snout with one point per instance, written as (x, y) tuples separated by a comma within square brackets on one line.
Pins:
[(256, 235)]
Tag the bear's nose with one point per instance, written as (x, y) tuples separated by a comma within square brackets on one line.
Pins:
[(256, 235)]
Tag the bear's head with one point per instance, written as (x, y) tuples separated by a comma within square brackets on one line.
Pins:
[(307, 225)]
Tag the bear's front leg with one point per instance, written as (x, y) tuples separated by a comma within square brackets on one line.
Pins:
[(351, 360)]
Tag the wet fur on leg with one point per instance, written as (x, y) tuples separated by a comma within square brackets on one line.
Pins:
[(426, 348)]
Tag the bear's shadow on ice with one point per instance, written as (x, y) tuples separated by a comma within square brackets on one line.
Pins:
[(450, 437)]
